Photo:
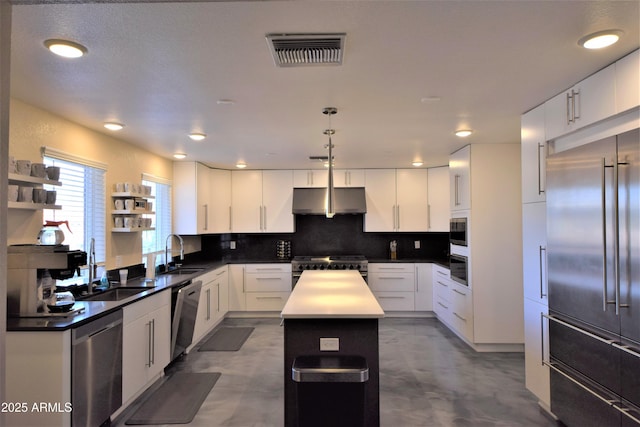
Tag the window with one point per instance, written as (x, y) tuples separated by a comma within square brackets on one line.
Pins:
[(82, 197), (153, 241)]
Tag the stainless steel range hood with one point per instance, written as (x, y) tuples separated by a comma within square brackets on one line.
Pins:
[(312, 201)]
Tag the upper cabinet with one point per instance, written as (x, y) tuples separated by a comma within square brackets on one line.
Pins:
[(460, 179), (534, 149), (308, 178), (628, 82), (396, 200), (201, 199), (348, 177), (262, 201), (589, 101), (438, 196)]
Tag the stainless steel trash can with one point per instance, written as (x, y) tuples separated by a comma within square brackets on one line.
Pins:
[(330, 390)]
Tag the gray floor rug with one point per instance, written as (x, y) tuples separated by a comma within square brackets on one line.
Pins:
[(176, 401), (227, 339)]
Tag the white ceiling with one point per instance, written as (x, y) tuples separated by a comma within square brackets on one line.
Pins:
[(160, 68)]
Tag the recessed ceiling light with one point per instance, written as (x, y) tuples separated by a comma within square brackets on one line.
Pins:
[(463, 133), (430, 99), (179, 156), (241, 165), (196, 136), (417, 163), (113, 126), (65, 48), (225, 101), (600, 39)]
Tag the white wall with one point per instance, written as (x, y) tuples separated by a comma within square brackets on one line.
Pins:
[(31, 128)]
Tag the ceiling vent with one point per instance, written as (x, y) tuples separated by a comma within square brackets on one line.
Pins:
[(299, 50)]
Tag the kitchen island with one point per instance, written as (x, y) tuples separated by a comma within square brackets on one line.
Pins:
[(331, 361)]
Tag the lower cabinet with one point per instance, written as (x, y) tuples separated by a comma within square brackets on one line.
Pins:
[(213, 303), (536, 347), (146, 343), (452, 303), (393, 285), (424, 287), (267, 286)]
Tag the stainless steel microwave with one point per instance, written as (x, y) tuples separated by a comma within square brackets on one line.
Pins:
[(459, 267), (458, 231)]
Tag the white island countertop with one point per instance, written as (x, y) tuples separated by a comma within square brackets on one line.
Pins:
[(330, 294)]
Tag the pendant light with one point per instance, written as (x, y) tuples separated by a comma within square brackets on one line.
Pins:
[(330, 210)]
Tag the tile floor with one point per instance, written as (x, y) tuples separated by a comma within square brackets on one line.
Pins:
[(428, 377)]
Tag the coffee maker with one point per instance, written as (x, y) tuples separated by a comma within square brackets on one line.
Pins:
[(32, 274)]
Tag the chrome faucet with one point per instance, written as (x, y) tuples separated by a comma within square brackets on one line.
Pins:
[(166, 250), (92, 265)]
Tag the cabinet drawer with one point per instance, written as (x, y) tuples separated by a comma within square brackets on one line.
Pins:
[(145, 306), (266, 301), (266, 282), (442, 289), (392, 267), (461, 311), (442, 308), (392, 282), (396, 301), (268, 268)]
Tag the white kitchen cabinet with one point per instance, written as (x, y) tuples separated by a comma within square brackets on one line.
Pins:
[(192, 204), (348, 178), (628, 82), (441, 293), (438, 199), (393, 285), (220, 207), (534, 254), (211, 306), (536, 346), (261, 201), (460, 179), (396, 200), (236, 297), (310, 178), (587, 102), (146, 342), (533, 155), (453, 303), (424, 286)]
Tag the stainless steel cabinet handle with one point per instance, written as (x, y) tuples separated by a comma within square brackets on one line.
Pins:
[(616, 242), (269, 278), (218, 286), (153, 342), (389, 297), (264, 215), (229, 218), (428, 217), (603, 194), (268, 269), (443, 284), (459, 317), (398, 217), (568, 103), (208, 304), (459, 293), (575, 97), (456, 188), (540, 159), (542, 249), (206, 217), (390, 278), (268, 297), (443, 306), (149, 350)]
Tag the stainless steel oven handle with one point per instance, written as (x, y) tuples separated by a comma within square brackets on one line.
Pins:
[(575, 328)]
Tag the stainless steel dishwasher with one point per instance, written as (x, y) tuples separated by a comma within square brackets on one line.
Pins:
[(184, 304), (96, 370)]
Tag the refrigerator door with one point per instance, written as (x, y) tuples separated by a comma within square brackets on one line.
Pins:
[(629, 225), (580, 231)]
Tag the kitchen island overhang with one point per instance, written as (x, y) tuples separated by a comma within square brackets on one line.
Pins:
[(332, 316)]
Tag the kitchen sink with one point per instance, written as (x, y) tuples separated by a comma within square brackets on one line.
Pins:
[(185, 271), (114, 294)]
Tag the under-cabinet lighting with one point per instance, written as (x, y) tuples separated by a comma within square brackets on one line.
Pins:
[(65, 48), (600, 39)]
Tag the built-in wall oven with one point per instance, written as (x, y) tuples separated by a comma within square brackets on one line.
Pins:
[(458, 231), (459, 267)]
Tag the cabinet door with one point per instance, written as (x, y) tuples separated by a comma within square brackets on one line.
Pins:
[(460, 179), (203, 198), (628, 82), (204, 316), (348, 177), (597, 97), (136, 355), (236, 288), (438, 196), (310, 178), (412, 202), (277, 201), (534, 251), (220, 205), (223, 295), (533, 155), (424, 287), (246, 201), (381, 200), (185, 212), (161, 344), (535, 330)]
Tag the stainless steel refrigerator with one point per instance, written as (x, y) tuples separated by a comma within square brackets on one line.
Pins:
[(593, 249)]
